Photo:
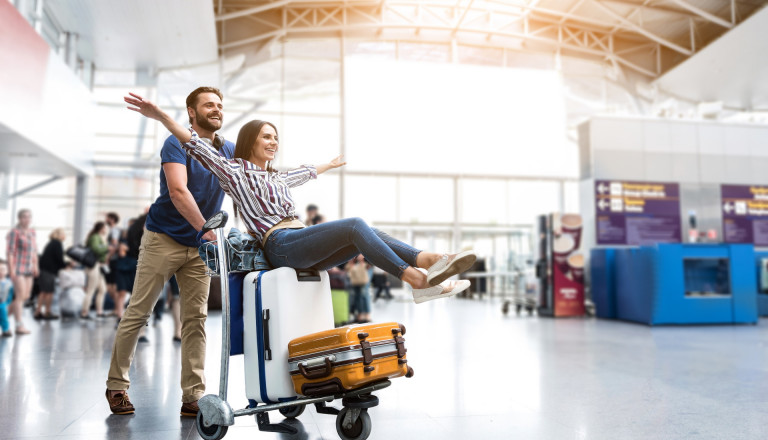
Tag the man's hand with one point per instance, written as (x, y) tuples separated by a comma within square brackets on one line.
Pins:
[(209, 236), (146, 108)]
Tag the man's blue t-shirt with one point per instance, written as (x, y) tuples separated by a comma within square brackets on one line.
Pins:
[(163, 217)]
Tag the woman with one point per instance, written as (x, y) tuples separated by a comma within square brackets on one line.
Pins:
[(51, 262), (97, 243), (22, 265), (263, 197)]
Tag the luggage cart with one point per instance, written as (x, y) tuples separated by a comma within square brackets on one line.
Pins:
[(216, 414), (522, 297)]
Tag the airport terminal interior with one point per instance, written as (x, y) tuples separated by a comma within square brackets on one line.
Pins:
[(598, 166)]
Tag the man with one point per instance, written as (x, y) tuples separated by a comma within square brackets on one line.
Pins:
[(189, 194)]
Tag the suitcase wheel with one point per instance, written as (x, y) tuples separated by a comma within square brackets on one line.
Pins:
[(291, 412), (353, 424)]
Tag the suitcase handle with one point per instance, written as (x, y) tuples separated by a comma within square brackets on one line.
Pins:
[(307, 275), (265, 330), (316, 374)]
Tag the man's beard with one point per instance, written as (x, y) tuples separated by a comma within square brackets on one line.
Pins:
[(204, 123)]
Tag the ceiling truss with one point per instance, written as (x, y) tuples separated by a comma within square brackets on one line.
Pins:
[(644, 36)]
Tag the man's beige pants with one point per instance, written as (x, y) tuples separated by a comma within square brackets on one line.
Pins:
[(159, 258)]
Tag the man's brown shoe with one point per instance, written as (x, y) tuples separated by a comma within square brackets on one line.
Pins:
[(119, 403), (190, 409)]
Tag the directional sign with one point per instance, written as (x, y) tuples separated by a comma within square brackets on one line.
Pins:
[(745, 214), (634, 213)]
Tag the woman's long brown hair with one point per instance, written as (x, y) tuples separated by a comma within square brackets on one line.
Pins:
[(246, 139)]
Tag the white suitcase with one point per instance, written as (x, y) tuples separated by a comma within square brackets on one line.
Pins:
[(280, 305)]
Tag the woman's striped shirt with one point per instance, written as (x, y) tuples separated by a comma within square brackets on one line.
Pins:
[(263, 197)]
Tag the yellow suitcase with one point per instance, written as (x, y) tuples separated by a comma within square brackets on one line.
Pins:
[(345, 358)]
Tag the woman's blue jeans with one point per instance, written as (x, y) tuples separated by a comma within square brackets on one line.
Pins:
[(329, 244)]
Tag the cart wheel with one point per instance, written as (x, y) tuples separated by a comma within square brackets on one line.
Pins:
[(213, 432), (360, 429), (291, 412)]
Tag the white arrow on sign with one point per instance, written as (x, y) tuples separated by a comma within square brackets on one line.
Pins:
[(602, 188), (603, 204), (728, 207)]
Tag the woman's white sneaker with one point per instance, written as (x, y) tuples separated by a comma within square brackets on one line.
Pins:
[(443, 290), (445, 268)]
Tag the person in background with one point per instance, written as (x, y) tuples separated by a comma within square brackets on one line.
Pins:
[(22, 265), (381, 282), (6, 297), (51, 262), (97, 243), (112, 220), (316, 220), (125, 272), (312, 212), (71, 287), (357, 270)]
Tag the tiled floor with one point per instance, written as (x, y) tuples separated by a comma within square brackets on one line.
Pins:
[(479, 374)]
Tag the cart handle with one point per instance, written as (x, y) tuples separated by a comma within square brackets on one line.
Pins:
[(216, 221)]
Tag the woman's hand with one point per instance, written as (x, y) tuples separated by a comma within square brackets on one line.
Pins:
[(146, 108), (152, 111), (337, 162), (334, 163)]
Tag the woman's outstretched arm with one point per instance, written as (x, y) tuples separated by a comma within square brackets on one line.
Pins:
[(335, 163), (152, 111), (226, 170)]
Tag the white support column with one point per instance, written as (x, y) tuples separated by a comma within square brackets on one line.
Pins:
[(561, 203), (4, 184), (342, 124), (39, 16), (71, 51), (81, 195), (457, 203)]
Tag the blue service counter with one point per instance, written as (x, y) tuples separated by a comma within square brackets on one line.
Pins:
[(761, 258), (676, 283)]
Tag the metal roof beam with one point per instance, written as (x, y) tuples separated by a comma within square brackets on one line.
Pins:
[(251, 11), (634, 27), (702, 13)]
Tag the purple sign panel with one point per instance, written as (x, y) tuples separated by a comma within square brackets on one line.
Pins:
[(745, 214), (635, 213)]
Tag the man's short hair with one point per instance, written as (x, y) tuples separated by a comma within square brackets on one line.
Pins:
[(114, 217), (192, 98)]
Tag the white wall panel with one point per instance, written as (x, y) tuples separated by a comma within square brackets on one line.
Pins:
[(737, 140), (711, 139), (684, 138), (712, 168), (623, 165), (657, 136), (685, 167), (738, 170), (658, 167), (616, 134)]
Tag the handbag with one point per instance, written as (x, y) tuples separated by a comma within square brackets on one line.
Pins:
[(83, 255)]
